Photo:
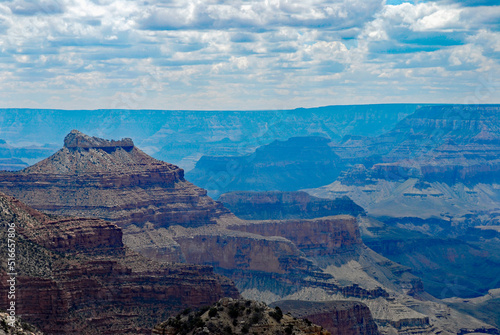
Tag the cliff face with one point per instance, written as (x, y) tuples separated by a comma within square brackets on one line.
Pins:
[(242, 252), (275, 205), (112, 180), (317, 237), (75, 276), (338, 317)]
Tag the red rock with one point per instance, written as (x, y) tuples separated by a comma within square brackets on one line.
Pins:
[(75, 276), (338, 317), (316, 237), (112, 180)]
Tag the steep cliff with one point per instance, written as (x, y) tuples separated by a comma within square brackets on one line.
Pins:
[(75, 275), (338, 317), (316, 237), (277, 205)]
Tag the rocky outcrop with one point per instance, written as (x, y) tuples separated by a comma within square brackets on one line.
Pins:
[(76, 139), (75, 276), (338, 317), (316, 237), (243, 252), (19, 327), (275, 205), (112, 180), (230, 316)]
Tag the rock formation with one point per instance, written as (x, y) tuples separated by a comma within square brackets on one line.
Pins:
[(112, 180), (434, 176), (240, 316), (19, 328), (275, 205), (166, 218), (299, 162), (338, 317), (316, 237), (181, 137), (75, 275)]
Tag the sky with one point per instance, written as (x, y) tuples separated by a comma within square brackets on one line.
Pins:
[(243, 55)]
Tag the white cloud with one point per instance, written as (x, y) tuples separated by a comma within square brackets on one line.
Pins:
[(240, 54)]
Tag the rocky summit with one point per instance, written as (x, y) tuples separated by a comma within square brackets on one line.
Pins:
[(112, 180), (75, 276)]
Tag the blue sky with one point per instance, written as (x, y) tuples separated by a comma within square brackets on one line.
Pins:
[(269, 54)]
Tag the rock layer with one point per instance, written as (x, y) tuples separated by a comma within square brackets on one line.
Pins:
[(317, 237), (112, 180), (338, 317), (75, 276), (277, 205)]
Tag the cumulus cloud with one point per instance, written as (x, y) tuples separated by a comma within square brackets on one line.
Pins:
[(265, 15), (43, 7), (242, 54)]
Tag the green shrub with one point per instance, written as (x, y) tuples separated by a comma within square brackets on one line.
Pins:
[(234, 311), (212, 312), (256, 317), (277, 314)]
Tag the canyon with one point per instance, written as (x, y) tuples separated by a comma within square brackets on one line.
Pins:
[(166, 218), (74, 275), (432, 177), (182, 137)]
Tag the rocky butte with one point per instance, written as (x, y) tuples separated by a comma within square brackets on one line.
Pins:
[(112, 180), (166, 218)]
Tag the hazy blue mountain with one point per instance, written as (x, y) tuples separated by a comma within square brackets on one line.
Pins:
[(296, 163), (182, 137)]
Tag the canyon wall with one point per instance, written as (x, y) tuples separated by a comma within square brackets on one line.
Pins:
[(75, 276)]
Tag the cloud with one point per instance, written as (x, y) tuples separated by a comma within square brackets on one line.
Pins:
[(42, 7), (225, 54), (263, 15)]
